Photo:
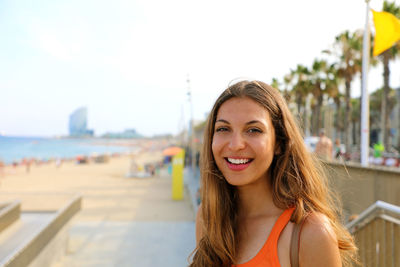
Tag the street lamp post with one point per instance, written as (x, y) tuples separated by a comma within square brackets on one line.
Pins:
[(364, 96), (192, 136)]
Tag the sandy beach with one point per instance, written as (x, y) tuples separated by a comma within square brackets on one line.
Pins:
[(110, 199)]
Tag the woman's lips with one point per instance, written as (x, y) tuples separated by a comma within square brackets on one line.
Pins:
[(238, 167)]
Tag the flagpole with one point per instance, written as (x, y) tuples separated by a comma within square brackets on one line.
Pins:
[(364, 94)]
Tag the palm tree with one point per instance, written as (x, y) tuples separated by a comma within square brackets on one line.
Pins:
[(386, 57), (301, 89), (275, 83), (317, 89), (287, 80), (324, 82), (355, 119), (376, 106), (372, 62), (338, 99), (288, 92), (332, 90), (348, 48)]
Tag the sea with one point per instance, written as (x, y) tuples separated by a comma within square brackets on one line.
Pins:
[(14, 149)]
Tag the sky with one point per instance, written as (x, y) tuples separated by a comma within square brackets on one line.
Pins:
[(129, 62)]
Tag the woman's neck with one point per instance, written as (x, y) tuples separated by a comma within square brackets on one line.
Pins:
[(256, 200)]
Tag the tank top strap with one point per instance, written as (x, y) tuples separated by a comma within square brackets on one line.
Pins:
[(284, 218), (268, 255)]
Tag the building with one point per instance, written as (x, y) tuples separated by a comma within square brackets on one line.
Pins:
[(78, 123)]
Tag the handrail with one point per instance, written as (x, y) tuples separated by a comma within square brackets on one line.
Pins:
[(378, 205), (389, 218)]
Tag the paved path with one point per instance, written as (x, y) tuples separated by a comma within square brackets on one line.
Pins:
[(132, 223), (130, 244)]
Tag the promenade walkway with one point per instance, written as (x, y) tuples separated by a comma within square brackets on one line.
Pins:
[(133, 223)]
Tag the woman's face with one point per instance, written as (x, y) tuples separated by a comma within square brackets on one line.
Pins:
[(244, 141)]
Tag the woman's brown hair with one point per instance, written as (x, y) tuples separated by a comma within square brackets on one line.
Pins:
[(297, 179)]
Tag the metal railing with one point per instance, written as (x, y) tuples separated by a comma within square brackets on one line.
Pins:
[(377, 234)]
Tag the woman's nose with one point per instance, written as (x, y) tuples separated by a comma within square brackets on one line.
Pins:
[(237, 142)]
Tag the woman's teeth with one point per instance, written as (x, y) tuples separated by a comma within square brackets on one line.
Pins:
[(238, 161)]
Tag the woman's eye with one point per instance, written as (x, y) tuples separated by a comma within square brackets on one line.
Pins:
[(221, 129), (255, 130)]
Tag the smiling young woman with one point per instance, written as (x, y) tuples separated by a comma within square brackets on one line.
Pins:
[(244, 141), (259, 183)]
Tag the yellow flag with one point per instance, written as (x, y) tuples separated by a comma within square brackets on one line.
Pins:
[(387, 31)]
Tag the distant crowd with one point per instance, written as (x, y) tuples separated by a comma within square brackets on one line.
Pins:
[(27, 163), (328, 151)]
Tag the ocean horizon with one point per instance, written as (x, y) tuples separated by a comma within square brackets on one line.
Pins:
[(17, 148)]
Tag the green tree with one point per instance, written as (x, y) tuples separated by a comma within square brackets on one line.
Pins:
[(348, 48), (275, 83), (376, 106), (286, 82), (332, 90), (300, 89), (355, 120), (317, 89), (324, 84)]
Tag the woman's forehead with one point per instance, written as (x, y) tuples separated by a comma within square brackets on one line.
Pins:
[(242, 108), (242, 104)]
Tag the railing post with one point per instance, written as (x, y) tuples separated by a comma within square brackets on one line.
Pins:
[(389, 244), (396, 243), (380, 239)]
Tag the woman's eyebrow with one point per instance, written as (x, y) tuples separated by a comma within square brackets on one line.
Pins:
[(254, 121), (247, 123), (222, 120)]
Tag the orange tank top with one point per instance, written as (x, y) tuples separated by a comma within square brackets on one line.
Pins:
[(268, 255)]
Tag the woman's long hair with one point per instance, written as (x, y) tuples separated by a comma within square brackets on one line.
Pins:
[(296, 180)]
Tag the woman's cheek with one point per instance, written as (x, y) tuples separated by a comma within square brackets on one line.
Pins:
[(215, 144)]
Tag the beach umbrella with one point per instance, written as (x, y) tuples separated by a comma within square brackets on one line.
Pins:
[(171, 151)]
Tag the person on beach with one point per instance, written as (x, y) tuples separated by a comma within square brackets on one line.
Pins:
[(324, 147), (339, 149), (262, 191), (1, 168)]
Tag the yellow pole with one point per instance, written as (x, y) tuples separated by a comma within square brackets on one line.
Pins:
[(177, 175)]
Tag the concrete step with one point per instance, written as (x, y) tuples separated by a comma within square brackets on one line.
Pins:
[(37, 238), (21, 232)]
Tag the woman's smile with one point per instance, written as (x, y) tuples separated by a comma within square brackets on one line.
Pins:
[(238, 164)]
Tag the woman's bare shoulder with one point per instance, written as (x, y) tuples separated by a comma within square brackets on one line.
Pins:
[(318, 243)]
